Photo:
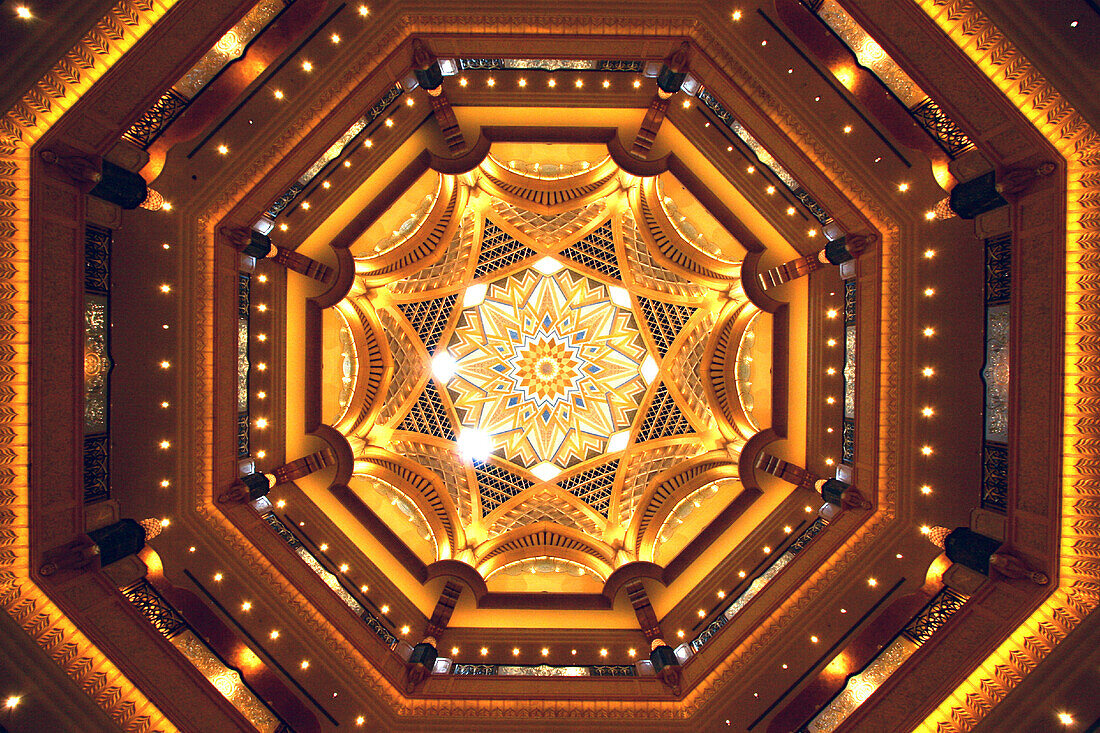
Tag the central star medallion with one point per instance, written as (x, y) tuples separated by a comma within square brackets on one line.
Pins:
[(548, 366)]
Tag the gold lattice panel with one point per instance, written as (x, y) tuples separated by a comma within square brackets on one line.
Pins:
[(547, 229), (685, 367), (445, 463), (449, 271), (408, 367), (542, 506)]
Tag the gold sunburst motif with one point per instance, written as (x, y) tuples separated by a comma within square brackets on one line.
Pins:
[(548, 365)]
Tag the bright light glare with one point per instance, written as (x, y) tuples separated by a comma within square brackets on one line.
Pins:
[(545, 470), (548, 265), (619, 296), (474, 295), (443, 367), (475, 445)]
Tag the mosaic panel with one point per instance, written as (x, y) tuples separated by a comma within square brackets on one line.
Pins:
[(996, 373), (665, 321), (97, 363), (548, 366), (229, 47)]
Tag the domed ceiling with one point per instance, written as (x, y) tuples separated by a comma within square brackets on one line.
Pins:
[(546, 369)]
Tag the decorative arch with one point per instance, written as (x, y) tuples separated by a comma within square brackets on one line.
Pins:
[(374, 366), (543, 539), (719, 364), (424, 488), (666, 491), (547, 196), (425, 244)]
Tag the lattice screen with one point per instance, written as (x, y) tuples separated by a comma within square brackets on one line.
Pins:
[(428, 415), (596, 251), (646, 271), (664, 417), (498, 251), (594, 486), (450, 268), (547, 229), (497, 485), (665, 321), (643, 467), (429, 318)]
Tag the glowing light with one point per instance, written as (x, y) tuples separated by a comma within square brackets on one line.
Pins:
[(305, 205), (368, 143), (929, 331), (578, 83), (927, 411), (740, 573), (606, 83), (280, 503), (164, 483), (545, 652), (385, 609), (165, 364), (475, 445), (830, 371), (165, 522), (903, 187), (545, 470), (166, 206), (929, 254), (360, 720), (363, 589), (307, 66), (637, 83), (261, 423), (218, 577), (191, 548), (631, 652), (702, 613), (551, 83), (261, 367), (165, 445), (522, 82), (830, 400), (926, 489), (246, 606), (929, 215), (929, 292), (767, 550), (515, 651), (344, 568), (811, 233), (687, 103), (831, 342), (443, 367), (872, 582), (462, 82), (389, 120), (283, 227), (404, 630), (261, 395), (13, 700), (925, 529), (751, 169), (261, 337), (813, 639), (25, 13), (491, 81), (927, 371), (787, 529), (223, 149), (926, 450), (603, 652), (737, 15), (831, 313), (454, 651), (1063, 718), (829, 461), (324, 547), (770, 190), (335, 38), (680, 633), (262, 308), (273, 635), (847, 129), (278, 94), (790, 211), (261, 454), (484, 651), (721, 594), (364, 11)]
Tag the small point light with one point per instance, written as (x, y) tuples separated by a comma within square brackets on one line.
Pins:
[(164, 483), (280, 503), (515, 651), (25, 13), (551, 83), (307, 66), (929, 215), (166, 206), (385, 609), (368, 143), (927, 411), (246, 606), (344, 568), (484, 651), (364, 588), (283, 227), (847, 129), (787, 529), (872, 582), (831, 313), (631, 652), (273, 635), (830, 371), (680, 633), (324, 547), (261, 337), (335, 38), (164, 405), (740, 573), (687, 104), (929, 254), (404, 630), (218, 577), (364, 10), (903, 187), (545, 652), (751, 169), (165, 364), (927, 371), (389, 120), (830, 400), (831, 342), (813, 639), (166, 245), (829, 461), (926, 489), (929, 331), (454, 651), (702, 613), (305, 205), (606, 83), (925, 529), (223, 149), (737, 15), (360, 720), (1063, 718), (13, 701), (191, 548), (721, 594), (261, 395), (165, 445), (929, 292), (926, 450), (261, 423), (261, 367), (261, 454), (767, 550), (522, 82), (491, 82), (578, 83), (603, 652), (637, 83), (462, 82), (770, 190), (278, 94), (790, 211)]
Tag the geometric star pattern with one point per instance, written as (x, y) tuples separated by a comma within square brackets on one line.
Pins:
[(547, 365)]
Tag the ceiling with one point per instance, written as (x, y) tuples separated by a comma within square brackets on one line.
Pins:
[(525, 409)]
